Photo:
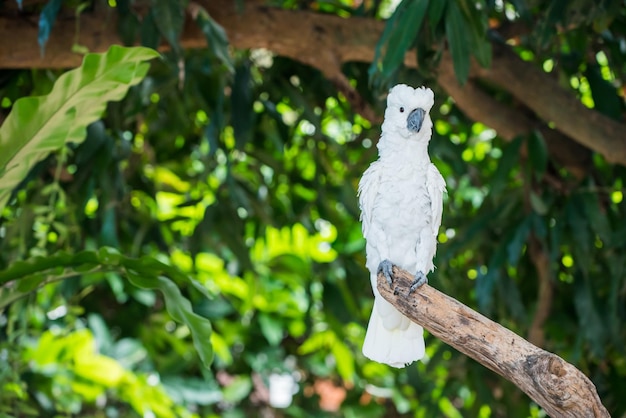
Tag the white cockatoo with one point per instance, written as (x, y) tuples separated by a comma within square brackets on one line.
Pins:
[(401, 201)]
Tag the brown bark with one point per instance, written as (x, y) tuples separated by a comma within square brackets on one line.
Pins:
[(557, 386), (326, 42), (541, 260), (543, 94), (510, 122)]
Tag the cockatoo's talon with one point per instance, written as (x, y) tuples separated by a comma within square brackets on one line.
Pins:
[(386, 267), (419, 281)]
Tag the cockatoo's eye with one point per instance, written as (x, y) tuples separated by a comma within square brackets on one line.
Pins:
[(401, 110)]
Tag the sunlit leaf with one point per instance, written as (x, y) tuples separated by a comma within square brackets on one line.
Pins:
[(146, 273), (37, 126), (192, 390), (237, 389), (271, 328), (345, 360), (605, 97)]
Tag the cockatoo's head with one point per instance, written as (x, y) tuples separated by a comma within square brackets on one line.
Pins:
[(406, 116)]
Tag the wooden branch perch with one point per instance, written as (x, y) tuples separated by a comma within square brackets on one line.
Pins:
[(557, 386)]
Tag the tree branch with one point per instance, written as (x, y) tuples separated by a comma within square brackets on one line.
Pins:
[(509, 122), (557, 386), (326, 42), (543, 94)]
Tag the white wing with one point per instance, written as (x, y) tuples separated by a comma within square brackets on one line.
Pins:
[(436, 188), (368, 189)]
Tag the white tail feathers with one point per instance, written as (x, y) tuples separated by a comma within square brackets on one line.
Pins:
[(391, 337)]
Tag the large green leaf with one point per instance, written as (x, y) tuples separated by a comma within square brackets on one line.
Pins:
[(169, 17), (399, 34), (411, 15), (458, 33), (39, 125), (146, 272), (477, 31), (216, 38)]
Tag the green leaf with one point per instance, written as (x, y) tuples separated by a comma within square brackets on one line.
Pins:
[(591, 325), (216, 38), (510, 296), (448, 409), (518, 236), (485, 282), (127, 22), (169, 17), (546, 28), (604, 94), (458, 40), (521, 8), (537, 203), (192, 390), (580, 232), (345, 360), (149, 32), (145, 273), (509, 159), (435, 11), (180, 309), (480, 45), (271, 328), (402, 34), (597, 217), (237, 389), (39, 125), (242, 115)]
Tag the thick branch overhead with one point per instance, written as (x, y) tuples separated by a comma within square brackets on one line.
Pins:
[(326, 42), (557, 386)]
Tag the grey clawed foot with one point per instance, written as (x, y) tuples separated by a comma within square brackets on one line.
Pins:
[(419, 281), (386, 268)]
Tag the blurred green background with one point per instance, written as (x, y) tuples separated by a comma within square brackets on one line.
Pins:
[(199, 253)]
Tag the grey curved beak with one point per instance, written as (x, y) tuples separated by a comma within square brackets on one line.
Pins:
[(415, 120)]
